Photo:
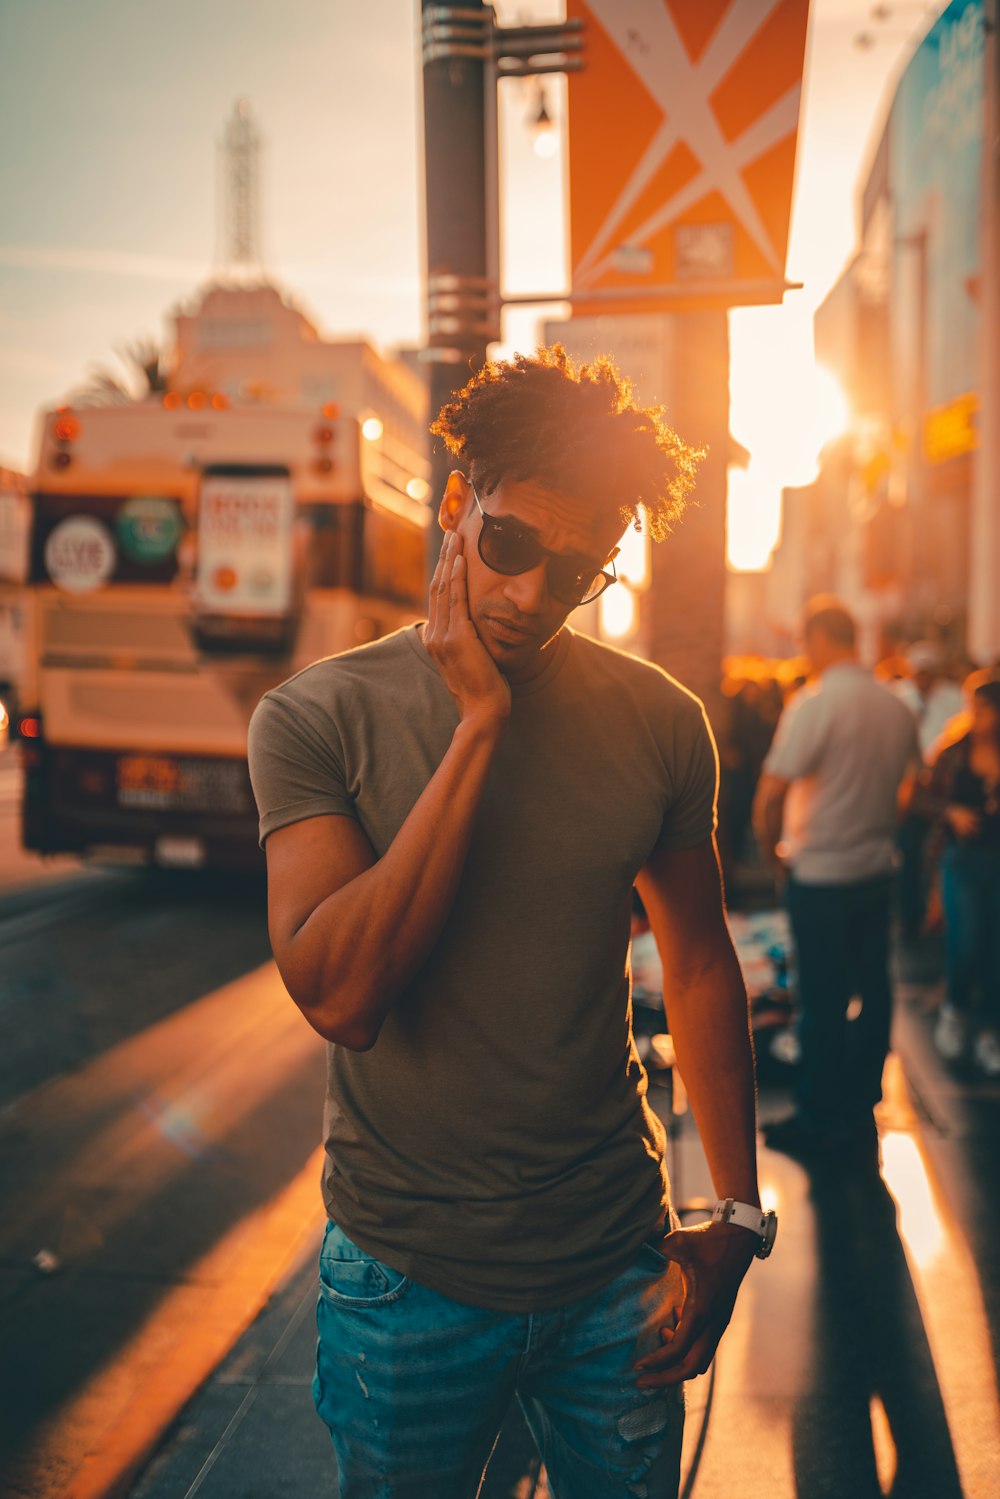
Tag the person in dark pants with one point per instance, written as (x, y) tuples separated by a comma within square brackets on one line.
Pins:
[(963, 792), (826, 814), (752, 719), (842, 944)]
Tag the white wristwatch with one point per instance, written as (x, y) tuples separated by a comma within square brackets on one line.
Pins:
[(764, 1225)]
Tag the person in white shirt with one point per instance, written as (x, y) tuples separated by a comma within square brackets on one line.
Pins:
[(931, 697), (826, 815), (934, 700)]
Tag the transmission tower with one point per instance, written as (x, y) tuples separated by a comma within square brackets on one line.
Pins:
[(240, 173)]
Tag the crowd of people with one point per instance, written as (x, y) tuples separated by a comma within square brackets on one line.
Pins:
[(946, 836)]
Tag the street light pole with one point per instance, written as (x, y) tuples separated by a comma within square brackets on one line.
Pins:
[(465, 54), (461, 321)]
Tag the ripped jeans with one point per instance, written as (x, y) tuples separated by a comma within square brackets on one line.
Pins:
[(414, 1387)]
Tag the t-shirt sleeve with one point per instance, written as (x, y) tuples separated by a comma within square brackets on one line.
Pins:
[(797, 747), (691, 817), (295, 771)]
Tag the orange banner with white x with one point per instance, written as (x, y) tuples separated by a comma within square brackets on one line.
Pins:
[(682, 133)]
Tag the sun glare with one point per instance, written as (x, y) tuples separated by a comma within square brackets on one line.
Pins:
[(753, 518), (618, 613), (632, 561), (833, 414), (920, 1223), (785, 408)]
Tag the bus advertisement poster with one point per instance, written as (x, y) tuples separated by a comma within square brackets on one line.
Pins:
[(245, 544)]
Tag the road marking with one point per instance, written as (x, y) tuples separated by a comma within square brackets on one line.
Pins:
[(119, 1417)]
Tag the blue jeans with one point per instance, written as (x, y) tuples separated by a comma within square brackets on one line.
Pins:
[(414, 1387), (842, 944), (970, 895)]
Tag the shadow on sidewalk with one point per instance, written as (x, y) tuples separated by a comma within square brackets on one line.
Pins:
[(871, 1420)]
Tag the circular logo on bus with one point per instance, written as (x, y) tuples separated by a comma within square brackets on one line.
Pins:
[(149, 528), (262, 581), (224, 578), (80, 554)]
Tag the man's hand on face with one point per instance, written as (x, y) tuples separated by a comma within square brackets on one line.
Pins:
[(467, 669), (713, 1258)]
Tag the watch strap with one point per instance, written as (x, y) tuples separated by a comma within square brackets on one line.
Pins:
[(759, 1222)]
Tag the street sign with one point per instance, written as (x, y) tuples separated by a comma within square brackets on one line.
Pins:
[(682, 133)]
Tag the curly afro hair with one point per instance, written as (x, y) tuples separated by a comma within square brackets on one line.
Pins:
[(574, 428)]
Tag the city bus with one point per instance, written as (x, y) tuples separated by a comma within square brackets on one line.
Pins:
[(184, 555), (15, 509)]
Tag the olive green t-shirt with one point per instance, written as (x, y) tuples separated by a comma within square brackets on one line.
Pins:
[(496, 1143)]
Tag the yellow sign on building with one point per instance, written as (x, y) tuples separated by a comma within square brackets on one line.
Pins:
[(951, 430)]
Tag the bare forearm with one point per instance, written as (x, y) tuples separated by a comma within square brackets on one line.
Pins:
[(709, 1022), (361, 946)]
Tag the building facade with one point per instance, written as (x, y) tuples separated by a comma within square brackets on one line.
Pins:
[(890, 520)]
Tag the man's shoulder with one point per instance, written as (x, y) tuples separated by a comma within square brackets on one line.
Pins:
[(875, 714), (331, 691), (857, 682), (891, 703), (811, 699), (644, 679), (390, 655)]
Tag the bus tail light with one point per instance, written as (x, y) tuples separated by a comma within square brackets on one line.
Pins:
[(30, 726), (323, 435), (66, 428), (65, 431)]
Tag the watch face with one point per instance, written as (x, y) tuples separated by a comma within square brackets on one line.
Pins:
[(770, 1234)]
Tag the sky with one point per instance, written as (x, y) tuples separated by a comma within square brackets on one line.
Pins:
[(110, 115)]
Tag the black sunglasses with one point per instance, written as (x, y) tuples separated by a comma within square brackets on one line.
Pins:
[(507, 548)]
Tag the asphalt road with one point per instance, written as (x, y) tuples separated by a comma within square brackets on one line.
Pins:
[(160, 1101)]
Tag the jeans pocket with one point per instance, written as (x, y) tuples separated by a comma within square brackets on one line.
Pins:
[(653, 1257), (348, 1277)]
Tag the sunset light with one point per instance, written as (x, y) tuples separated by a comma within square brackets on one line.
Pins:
[(753, 518), (619, 613), (545, 921), (785, 408)]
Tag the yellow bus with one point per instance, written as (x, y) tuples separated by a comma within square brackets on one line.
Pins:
[(186, 554)]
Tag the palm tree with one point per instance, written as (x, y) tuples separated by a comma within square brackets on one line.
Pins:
[(145, 375), (148, 360)]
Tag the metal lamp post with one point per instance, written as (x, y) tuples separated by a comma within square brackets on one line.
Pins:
[(465, 54)]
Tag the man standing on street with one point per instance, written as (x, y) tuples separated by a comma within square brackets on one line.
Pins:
[(454, 817), (826, 811)]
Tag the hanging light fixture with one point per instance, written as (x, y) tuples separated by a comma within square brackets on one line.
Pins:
[(546, 138)]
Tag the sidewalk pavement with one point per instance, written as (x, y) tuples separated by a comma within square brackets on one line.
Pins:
[(860, 1361)]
